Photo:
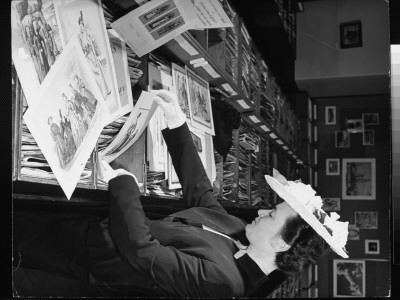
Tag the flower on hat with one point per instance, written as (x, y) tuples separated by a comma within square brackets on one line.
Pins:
[(339, 229)]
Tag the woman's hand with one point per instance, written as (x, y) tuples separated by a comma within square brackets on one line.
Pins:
[(169, 103), (106, 172)]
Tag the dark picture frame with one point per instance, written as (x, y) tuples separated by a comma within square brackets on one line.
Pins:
[(350, 34)]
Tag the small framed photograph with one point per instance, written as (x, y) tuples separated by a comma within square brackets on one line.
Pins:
[(354, 232), (200, 103), (331, 204), (348, 278), (342, 139), (372, 247), (350, 34), (370, 119), (330, 115), (366, 219), (355, 126), (332, 166), (358, 179), (368, 138)]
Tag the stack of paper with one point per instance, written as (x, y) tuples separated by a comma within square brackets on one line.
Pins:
[(245, 61)]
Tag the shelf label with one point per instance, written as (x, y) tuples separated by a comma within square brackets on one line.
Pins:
[(243, 104), (186, 45), (254, 119), (197, 60), (279, 142), (273, 135), (210, 70), (290, 152), (229, 89), (285, 147), (265, 128)]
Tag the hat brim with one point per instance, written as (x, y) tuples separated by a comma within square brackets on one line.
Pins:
[(305, 214)]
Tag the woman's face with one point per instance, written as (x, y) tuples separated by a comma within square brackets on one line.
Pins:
[(268, 224)]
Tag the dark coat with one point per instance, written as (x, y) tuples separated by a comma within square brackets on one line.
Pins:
[(175, 256)]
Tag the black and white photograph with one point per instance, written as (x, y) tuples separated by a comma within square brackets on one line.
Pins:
[(372, 247), (200, 103), (330, 115), (351, 34), (332, 166), (348, 278), (358, 179), (354, 232), (342, 139), (370, 118), (366, 219), (36, 43)]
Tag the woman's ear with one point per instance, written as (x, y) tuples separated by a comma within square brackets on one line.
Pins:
[(279, 244)]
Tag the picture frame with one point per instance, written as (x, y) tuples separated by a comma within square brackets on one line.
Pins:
[(332, 166), (348, 278), (366, 219), (358, 179), (372, 247), (355, 125), (342, 139), (369, 138), (200, 103), (331, 204), (370, 118), (354, 232), (180, 82), (350, 34), (330, 115)]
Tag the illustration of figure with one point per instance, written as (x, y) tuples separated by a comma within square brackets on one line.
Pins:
[(182, 96), (40, 45), (92, 101), (69, 143), (58, 138), (89, 50), (48, 42), (77, 127), (79, 107), (352, 287)]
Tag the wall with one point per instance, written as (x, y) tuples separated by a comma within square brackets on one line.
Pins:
[(331, 185), (323, 68)]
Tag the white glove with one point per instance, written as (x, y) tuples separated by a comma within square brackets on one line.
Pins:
[(106, 173), (169, 103)]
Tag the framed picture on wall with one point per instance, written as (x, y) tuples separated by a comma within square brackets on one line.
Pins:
[(348, 278), (358, 179), (370, 118), (368, 138), (350, 34), (331, 204), (332, 166), (372, 247), (330, 115), (342, 139), (366, 219), (355, 125)]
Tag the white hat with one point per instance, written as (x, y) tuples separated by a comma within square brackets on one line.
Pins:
[(302, 199)]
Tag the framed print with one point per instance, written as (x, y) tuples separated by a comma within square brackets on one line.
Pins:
[(35, 43), (350, 34), (179, 81), (358, 179), (366, 219), (330, 115), (370, 118), (355, 126), (372, 247), (368, 138), (200, 103), (354, 232), (70, 116), (331, 204), (348, 278), (332, 166), (86, 20), (342, 139)]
